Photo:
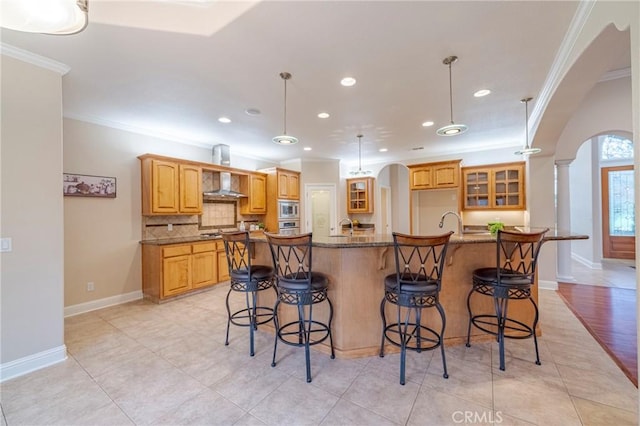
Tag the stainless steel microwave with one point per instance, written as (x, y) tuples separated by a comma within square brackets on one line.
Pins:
[(288, 210)]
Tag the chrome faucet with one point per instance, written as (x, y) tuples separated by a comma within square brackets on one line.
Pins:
[(445, 214), (349, 221)]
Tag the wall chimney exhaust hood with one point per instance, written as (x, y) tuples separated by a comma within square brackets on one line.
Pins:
[(225, 190)]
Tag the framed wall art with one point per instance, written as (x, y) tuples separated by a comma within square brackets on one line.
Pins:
[(88, 186)]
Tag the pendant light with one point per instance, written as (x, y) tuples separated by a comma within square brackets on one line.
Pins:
[(57, 17), (285, 139), (451, 129), (360, 172), (527, 150)]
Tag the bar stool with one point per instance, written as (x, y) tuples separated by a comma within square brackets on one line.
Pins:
[(298, 285), (414, 286), (511, 279), (248, 279)]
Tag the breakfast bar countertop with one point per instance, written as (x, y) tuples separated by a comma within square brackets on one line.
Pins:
[(373, 240)]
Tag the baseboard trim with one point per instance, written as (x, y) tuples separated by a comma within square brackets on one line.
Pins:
[(547, 285), (82, 308), (22, 366), (586, 262)]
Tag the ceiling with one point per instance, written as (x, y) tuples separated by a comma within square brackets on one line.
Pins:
[(172, 68)]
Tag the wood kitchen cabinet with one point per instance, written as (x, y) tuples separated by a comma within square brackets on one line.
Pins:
[(255, 186), (499, 186), (175, 269), (360, 195), (288, 184), (445, 174), (170, 188)]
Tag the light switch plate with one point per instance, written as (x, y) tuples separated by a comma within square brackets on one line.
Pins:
[(5, 244)]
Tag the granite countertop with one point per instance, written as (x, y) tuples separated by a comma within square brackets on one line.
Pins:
[(376, 240)]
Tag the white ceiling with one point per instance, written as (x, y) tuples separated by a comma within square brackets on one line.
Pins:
[(172, 68)]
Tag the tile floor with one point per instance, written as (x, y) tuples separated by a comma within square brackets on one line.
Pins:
[(147, 364)]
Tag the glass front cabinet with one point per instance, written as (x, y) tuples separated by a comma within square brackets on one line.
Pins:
[(360, 195), (499, 186)]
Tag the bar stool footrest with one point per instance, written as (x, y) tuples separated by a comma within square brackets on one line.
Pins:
[(483, 322), (429, 338), (241, 318), (287, 332)]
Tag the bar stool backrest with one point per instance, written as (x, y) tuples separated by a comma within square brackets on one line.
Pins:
[(420, 258), (517, 255), (291, 256), (237, 249)]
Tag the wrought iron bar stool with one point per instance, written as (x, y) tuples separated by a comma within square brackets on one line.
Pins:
[(298, 285), (248, 279), (414, 286), (511, 279)]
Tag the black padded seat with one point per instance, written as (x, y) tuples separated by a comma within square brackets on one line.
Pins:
[(415, 286), (511, 279), (249, 279), (298, 285)]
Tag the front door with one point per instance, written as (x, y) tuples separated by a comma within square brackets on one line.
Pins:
[(618, 213)]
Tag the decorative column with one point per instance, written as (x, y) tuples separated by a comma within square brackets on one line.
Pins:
[(563, 219)]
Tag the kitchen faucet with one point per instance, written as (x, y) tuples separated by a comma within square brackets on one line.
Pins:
[(350, 222), (445, 214)]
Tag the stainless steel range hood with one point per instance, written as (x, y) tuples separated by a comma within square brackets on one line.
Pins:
[(225, 190)]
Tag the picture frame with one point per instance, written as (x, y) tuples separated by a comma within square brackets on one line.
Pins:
[(77, 185)]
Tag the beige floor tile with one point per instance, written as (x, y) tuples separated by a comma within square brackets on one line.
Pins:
[(595, 414), (249, 420), (332, 375), (295, 402), (382, 393), (416, 365), (615, 390), (206, 408), (443, 409), (346, 413)]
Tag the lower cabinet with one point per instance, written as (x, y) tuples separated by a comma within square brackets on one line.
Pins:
[(172, 270)]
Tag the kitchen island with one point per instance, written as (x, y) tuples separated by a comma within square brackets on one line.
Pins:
[(356, 267)]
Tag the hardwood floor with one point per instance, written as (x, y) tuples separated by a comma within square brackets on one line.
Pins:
[(609, 313)]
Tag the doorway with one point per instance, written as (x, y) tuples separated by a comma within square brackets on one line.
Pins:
[(320, 214), (618, 212), (385, 210)]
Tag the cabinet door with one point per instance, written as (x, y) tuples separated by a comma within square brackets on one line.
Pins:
[(204, 268), (421, 178), (508, 188), (359, 195), (176, 275), (476, 188), (283, 185), (190, 189), (223, 267), (256, 188), (293, 184), (164, 187), (446, 176)]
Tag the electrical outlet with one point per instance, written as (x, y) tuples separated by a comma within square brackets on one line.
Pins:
[(91, 286), (170, 227)]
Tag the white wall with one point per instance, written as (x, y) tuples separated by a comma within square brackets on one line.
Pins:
[(580, 175), (31, 194)]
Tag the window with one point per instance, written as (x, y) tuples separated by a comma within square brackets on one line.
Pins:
[(615, 148)]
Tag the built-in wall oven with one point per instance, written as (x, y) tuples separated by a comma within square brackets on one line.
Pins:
[(288, 217)]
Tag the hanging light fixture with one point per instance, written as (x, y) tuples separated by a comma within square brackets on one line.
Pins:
[(285, 139), (451, 129), (527, 150), (360, 172), (58, 17)]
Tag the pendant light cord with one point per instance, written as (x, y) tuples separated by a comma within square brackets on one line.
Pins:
[(359, 153), (285, 106), (450, 94)]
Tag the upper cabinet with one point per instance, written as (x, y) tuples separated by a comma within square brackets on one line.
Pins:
[(360, 195), (170, 188), (288, 184), (255, 186), (444, 174), (499, 186)]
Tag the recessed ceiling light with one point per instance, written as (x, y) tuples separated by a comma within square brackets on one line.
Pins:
[(383, 150), (427, 124), (323, 115), (224, 120), (481, 93), (252, 111), (348, 81), (307, 148)]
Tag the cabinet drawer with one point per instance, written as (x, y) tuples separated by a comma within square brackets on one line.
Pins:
[(200, 248), (220, 245), (176, 251)]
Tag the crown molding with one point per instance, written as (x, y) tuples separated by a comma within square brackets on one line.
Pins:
[(34, 59), (616, 74)]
